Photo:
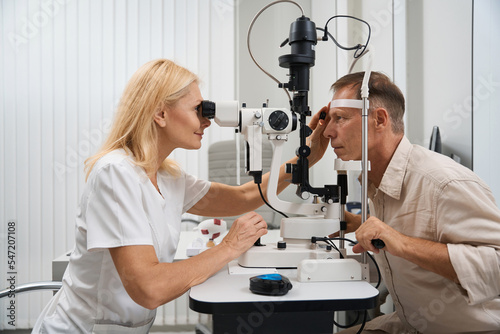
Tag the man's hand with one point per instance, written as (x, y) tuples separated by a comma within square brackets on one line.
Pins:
[(244, 232), (374, 228), (430, 255)]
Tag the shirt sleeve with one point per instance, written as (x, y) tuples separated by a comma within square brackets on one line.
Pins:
[(114, 215), (468, 220), (195, 190)]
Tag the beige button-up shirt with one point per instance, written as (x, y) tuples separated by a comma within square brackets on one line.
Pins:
[(427, 195)]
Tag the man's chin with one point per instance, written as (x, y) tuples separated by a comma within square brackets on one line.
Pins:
[(339, 155), (345, 157)]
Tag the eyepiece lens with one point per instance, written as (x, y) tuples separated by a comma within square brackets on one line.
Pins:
[(208, 109)]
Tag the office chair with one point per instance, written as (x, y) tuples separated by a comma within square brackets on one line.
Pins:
[(27, 287)]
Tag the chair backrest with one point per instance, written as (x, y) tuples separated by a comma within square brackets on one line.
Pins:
[(27, 287), (222, 167)]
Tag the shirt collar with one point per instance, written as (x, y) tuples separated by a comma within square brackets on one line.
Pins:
[(392, 181)]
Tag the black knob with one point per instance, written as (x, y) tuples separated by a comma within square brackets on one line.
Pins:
[(278, 120), (303, 151), (281, 244), (378, 243), (309, 131)]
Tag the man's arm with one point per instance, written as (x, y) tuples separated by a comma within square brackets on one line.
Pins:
[(429, 255)]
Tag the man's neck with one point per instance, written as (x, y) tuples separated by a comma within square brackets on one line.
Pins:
[(379, 161)]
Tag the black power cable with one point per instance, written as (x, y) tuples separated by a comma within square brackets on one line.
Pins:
[(257, 178), (359, 48), (331, 244), (269, 205)]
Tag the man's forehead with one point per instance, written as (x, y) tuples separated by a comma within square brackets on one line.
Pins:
[(345, 93)]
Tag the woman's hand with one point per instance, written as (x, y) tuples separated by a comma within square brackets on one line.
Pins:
[(151, 283), (353, 222), (244, 232), (316, 141)]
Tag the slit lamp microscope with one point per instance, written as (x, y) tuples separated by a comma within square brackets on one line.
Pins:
[(302, 234)]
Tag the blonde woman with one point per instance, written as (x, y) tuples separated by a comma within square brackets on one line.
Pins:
[(128, 224)]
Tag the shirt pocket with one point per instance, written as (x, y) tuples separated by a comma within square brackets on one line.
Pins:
[(417, 223)]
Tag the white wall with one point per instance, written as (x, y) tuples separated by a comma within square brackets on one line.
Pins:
[(486, 97), (63, 65), (439, 67)]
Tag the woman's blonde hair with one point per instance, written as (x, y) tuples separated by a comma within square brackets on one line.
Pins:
[(155, 85)]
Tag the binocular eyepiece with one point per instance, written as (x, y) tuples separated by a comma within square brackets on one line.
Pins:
[(207, 109), (269, 120)]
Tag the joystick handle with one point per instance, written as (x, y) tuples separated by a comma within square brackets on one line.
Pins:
[(378, 243)]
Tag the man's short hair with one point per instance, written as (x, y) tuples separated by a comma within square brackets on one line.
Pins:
[(383, 93)]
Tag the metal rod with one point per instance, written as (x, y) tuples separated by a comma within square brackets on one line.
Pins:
[(364, 171), (342, 232), (46, 285)]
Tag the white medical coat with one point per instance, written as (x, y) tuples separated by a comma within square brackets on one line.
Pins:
[(119, 207)]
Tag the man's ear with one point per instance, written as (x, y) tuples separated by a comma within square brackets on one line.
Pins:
[(381, 118), (160, 115)]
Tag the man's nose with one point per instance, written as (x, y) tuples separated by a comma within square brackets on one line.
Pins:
[(330, 131)]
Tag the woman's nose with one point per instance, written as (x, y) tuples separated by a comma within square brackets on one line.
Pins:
[(205, 122)]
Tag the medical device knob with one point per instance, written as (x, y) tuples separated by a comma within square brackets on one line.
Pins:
[(305, 195), (278, 120), (281, 244), (303, 151)]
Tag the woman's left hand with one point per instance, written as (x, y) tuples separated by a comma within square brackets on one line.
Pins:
[(316, 141), (244, 232)]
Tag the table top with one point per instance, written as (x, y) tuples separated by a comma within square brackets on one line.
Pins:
[(228, 292)]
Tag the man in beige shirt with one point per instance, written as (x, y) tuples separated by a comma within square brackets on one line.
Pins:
[(438, 220)]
